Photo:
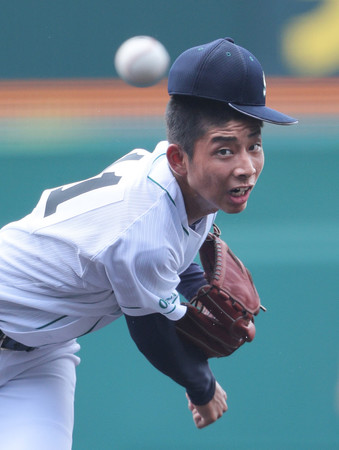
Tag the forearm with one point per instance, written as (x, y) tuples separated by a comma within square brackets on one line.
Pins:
[(157, 339)]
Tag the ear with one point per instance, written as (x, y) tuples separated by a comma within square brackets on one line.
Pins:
[(177, 159)]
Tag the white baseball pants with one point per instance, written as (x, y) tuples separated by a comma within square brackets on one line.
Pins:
[(37, 397)]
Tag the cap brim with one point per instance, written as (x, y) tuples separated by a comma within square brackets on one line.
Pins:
[(264, 113)]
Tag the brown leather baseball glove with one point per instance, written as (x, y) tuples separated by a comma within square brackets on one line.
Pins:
[(220, 318)]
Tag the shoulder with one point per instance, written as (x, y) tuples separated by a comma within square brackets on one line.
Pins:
[(93, 213)]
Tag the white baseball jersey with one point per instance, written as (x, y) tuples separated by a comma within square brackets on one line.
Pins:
[(92, 250)]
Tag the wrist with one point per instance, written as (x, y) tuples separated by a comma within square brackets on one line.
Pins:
[(201, 397)]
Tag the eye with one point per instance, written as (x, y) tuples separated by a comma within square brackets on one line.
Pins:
[(224, 152), (255, 147)]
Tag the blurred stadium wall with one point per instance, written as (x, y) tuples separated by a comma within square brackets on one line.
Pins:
[(58, 86)]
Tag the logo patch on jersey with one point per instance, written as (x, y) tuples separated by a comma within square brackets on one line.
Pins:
[(169, 302)]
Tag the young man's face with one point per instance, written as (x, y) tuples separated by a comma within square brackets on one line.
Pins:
[(226, 164)]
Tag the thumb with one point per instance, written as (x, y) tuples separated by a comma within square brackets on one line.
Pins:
[(199, 421), (190, 404)]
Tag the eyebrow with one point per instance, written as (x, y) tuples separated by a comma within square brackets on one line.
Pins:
[(256, 132), (217, 139)]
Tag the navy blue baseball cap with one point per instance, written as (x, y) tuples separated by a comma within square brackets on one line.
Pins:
[(226, 72)]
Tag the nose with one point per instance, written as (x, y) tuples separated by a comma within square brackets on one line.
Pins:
[(244, 165)]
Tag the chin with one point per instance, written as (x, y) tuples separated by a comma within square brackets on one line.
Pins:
[(235, 209)]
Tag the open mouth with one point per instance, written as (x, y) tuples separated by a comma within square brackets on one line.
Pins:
[(240, 191)]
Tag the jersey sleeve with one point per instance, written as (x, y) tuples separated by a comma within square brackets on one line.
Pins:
[(156, 338), (144, 276)]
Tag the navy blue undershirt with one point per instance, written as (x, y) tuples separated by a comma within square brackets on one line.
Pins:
[(156, 337)]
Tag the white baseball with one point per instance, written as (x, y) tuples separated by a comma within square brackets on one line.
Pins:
[(141, 61)]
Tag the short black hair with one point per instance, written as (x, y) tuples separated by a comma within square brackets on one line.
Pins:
[(188, 118)]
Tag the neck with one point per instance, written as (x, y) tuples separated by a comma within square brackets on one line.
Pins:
[(194, 209)]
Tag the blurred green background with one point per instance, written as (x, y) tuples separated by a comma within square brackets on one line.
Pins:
[(75, 38), (283, 390)]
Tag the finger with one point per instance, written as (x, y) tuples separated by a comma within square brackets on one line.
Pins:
[(201, 422), (198, 419), (223, 406)]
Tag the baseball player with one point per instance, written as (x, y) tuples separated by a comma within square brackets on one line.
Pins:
[(122, 243)]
